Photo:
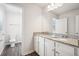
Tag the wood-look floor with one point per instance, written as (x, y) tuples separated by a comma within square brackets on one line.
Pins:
[(12, 51), (15, 51)]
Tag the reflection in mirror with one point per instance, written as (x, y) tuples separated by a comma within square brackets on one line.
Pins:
[(68, 25)]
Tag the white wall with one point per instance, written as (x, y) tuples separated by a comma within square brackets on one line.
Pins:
[(31, 23), (35, 19)]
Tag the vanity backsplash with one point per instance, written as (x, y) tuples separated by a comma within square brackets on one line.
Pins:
[(58, 35)]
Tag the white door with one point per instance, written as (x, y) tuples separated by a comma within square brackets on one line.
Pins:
[(41, 46), (36, 42), (64, 50), (49, 47)]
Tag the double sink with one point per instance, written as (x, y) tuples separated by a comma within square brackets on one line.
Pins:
[(70, 41)]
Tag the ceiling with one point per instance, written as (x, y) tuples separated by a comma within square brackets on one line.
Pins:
[(65, 8)]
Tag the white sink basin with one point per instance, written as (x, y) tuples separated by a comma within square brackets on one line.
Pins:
[(64, 40)]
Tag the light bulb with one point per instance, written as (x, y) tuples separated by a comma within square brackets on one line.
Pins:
[(53, 6)]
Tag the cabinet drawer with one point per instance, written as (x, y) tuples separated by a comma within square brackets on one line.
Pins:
[(64, 50)]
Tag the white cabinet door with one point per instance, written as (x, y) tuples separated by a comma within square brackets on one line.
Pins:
[(64, 50), (61, 26), (36, 44), (71, 24), (77, 51), (77, 25), (41, 46), (49, 47)]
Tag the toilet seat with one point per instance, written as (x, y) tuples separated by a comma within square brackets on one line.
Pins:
[(12, 41)]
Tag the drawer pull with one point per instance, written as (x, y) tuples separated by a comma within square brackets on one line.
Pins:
[(53, 49), (57, 52)]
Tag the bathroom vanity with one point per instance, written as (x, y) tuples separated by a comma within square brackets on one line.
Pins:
[(66, 41), (46, 45)]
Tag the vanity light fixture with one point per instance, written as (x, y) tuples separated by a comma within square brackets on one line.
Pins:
[(53, 6)]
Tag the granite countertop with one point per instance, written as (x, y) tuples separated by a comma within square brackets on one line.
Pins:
[(69, 41)]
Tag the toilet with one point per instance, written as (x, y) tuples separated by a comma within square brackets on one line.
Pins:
[(12, 41)]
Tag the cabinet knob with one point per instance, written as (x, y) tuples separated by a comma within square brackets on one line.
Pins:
[(53, 49), (57, 52)]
